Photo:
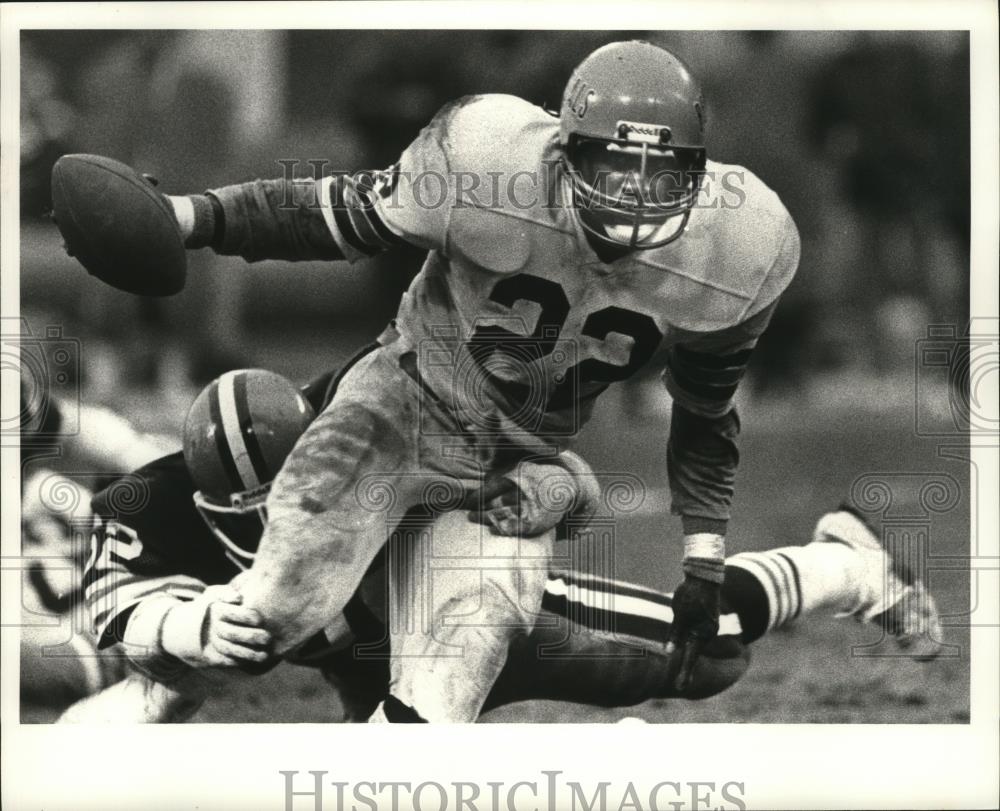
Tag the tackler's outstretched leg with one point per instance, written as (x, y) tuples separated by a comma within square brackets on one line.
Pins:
[(601, 642)]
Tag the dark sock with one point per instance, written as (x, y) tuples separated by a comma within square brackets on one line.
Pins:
[(396, 712), (744, 594)]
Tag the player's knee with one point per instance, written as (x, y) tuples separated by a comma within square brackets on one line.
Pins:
[(515, 590), (501, 604)]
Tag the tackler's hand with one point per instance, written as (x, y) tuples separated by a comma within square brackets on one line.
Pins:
[(215, 630)]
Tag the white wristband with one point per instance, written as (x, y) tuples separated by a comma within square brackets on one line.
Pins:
[(181, 632), (705, 545), (142, 633), (184, 211), (142, 640)]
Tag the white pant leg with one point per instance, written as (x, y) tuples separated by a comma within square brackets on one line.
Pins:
[(458, 596)]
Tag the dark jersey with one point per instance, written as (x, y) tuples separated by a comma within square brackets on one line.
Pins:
[(149, 540)]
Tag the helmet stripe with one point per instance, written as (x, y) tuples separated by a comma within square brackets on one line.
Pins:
[(250, 438), (231, 428), (222, 448)]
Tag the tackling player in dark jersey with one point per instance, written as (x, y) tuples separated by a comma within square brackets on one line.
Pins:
[(162, 583)]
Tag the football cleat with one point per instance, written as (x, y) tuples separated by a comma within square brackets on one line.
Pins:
[(892, 597)]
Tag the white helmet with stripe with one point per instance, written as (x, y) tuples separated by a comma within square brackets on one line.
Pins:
[(237, 434)]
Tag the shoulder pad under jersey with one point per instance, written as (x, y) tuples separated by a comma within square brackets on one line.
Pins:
[(479, 157), (505, 156), (740, 252), (496, 133)]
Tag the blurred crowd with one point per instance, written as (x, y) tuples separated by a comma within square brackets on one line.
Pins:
[(865, 136)]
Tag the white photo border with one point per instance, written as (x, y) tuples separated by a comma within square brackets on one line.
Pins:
[(780, 766)]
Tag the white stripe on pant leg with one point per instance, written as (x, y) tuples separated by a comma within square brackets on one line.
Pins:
[(785, 580), (616, 603), (231, 426)]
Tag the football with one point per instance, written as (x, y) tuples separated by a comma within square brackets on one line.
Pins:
[(118, 226)]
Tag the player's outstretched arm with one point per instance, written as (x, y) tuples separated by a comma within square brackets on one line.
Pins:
[(336, 217), (124, 230), (330, 218)]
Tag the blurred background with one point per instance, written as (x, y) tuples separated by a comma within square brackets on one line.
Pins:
[(864, 135)]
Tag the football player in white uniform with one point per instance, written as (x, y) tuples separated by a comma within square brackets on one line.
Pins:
[(564, 253)]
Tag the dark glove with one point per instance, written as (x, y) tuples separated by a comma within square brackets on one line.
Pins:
[(696, 623)]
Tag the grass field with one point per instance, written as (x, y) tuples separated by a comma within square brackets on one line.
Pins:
[(795, 466)]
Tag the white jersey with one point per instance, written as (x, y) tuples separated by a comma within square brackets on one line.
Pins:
[(514, 309)]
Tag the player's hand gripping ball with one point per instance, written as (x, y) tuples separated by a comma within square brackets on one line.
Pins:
[(119, 227)]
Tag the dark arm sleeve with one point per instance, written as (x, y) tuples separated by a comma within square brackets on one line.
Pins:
[(702, 457), (702, 375), (295, 220), (273, 219)]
